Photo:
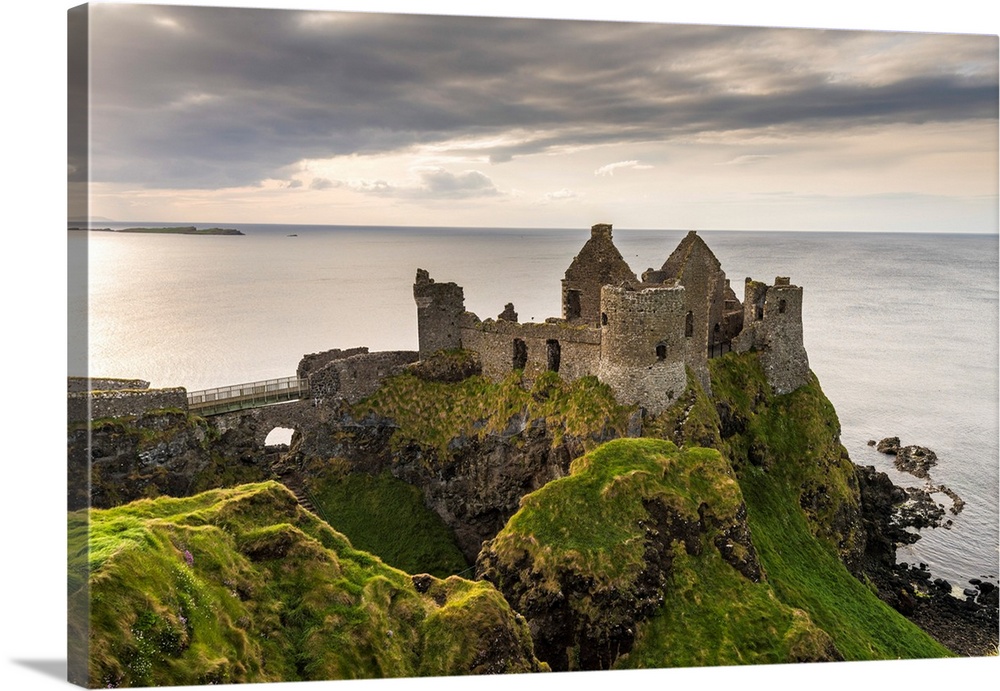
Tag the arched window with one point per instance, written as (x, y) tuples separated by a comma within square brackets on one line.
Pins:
[(604, 319), (573, 308), (781, 307), (661, 351), (553, 354), (689, 325), (520, 355)]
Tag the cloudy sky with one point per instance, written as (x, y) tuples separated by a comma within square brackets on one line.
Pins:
[(253, 115)]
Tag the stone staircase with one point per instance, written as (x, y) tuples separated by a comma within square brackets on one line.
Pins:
[(293, 481)]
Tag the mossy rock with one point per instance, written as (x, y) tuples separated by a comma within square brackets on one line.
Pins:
[(243, 585), (642, 546)]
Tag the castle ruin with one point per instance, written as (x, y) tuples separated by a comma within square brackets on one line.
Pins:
[(639, 336)]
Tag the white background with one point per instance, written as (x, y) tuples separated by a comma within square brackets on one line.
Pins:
[(32, 549)]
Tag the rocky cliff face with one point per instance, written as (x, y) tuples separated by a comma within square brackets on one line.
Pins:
[(590, 559), (166, 452), (474, 488)]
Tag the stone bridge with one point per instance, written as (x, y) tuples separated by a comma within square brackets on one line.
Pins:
[(304, 417)]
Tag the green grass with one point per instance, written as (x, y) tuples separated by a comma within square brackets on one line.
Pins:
[(590, 527), (242, 585), (803, 507), (806, 573), (713, 616), (387, 517), (589, 520), (432, 414), (796, 436), (782, 456)]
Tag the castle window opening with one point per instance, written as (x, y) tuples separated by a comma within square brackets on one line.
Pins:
[(661, 351), (759, 313), (604, 318), (689, 325), (520, 355), (553, 354), (781, 307), (572, 304)]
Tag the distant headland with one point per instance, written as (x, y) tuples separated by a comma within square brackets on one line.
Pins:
[(176, 230)]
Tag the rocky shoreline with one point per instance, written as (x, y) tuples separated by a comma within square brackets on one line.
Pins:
[(962, 617)]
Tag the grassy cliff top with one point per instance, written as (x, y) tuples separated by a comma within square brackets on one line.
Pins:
[(592, 520), (433, 413), (657, 535), (243, 585)]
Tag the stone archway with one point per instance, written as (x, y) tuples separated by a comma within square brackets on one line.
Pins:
[(279, 436), (302, 417)]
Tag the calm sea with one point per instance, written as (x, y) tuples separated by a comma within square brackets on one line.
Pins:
[(901, 329)]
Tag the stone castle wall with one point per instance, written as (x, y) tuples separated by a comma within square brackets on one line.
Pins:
[(80, 384), (440, 307), (357, 376), (578, 347), (598, 263), (640, 338), (314, 362), (121, 402)]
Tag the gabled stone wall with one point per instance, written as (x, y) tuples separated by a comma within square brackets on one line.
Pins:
[(599, 263)]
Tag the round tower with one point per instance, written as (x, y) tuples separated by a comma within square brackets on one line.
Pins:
[(643, 344)]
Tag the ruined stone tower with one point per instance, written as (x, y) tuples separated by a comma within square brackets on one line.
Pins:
[(713, 313), (440, 307), (772, 325), (643, 346), (599, 263), (640, 338)]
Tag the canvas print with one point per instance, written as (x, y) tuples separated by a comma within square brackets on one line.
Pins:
[(421, 346)]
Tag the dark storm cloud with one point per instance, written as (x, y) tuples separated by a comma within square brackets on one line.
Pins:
[(210, 97)]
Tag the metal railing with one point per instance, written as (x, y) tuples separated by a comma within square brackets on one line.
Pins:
[(719, 349), (241, 396)]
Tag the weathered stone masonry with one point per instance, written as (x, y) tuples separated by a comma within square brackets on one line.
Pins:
[(772, 325), (639, 337), (351, 374), (120, 402)]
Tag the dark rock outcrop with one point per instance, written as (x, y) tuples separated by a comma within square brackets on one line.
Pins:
[(474, 490), (156, 453), (912, 459), (892, 516)]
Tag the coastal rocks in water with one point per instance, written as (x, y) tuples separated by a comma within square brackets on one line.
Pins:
[(917, 460), (968, 624), (912, 459), (918, 511), (889, 445)]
